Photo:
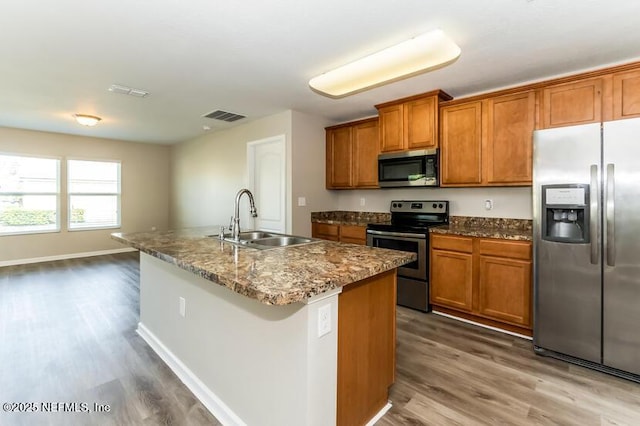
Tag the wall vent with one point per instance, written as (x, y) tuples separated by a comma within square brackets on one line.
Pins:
[(124, 90), (229, 117)]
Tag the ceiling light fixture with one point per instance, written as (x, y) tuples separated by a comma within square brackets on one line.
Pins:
[(417, 55), (87, 120)]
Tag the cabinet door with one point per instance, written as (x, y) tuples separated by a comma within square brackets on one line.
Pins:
[(366, 339), (508, 150), (451, 279), (461, 144), (391, 122), (505, 290), (572, 103), (365, 154), (420, 123), (325, 231), (353, 234), (626, 95), (339, 158)]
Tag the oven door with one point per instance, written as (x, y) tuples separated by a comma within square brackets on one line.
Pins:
[(416, 243)]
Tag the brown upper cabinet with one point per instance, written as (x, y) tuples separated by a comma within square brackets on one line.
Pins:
[(352, 155), (461, 144), (626, 94), (488, 142), (410, 123), (508, 148), (484, 140), (574, 103)]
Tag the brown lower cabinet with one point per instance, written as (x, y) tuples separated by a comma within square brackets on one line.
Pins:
[(343, 233), (482, 279), (366, 347)]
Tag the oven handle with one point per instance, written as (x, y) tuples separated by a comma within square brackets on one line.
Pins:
[(397, 234)]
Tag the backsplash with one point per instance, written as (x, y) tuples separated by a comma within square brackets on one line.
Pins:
[(491, 222), (350, 217), (512, 202)]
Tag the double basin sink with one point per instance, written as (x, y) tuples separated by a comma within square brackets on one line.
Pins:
[(266, 240)]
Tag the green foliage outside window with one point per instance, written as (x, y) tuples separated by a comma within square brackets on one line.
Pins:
[(21, 217)]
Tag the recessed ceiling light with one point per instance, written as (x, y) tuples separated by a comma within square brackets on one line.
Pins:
[(417, 55), (87, 120)]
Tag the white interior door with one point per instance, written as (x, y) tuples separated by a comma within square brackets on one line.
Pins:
[(266, 160)]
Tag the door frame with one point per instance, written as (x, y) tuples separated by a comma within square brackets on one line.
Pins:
[(281, 140)]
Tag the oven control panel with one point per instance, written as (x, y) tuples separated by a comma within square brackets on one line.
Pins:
[(419, 206)]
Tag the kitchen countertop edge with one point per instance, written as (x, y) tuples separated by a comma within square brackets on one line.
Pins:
[(294, 292), (498, 233)]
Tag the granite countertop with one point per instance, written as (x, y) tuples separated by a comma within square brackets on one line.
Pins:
[(508, 229), (278, 276), (354, 218)]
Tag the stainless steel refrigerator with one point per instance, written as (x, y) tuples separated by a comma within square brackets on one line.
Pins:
[(586, 214)]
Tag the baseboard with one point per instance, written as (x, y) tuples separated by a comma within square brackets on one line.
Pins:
[(442, 314), (210, 400), (65, 256), (381, 413)]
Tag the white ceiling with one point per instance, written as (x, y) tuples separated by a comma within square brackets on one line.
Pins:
[(256, 57)]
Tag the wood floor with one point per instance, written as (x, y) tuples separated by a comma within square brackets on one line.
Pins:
[(67, 334), (451, 373)]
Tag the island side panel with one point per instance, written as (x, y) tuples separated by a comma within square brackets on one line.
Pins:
[(366, 347), (259, 362)]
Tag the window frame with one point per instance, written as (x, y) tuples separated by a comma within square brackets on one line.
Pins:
[(118, 195), (57, 194)]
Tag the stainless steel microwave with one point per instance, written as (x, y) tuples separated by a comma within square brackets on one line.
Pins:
[(409, 168)]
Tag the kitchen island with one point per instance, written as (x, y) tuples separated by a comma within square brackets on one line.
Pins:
[(299, 335)]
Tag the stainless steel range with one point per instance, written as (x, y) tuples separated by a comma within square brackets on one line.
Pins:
[(409, 231)]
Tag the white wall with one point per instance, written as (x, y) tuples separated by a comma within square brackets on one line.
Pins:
[(308, 171), (208, 171), (507, 202), (266, 364), (145, 194)]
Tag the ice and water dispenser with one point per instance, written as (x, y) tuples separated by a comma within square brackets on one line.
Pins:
[(565, 213)]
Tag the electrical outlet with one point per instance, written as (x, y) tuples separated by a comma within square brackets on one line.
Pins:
[(183, 307), (488, 204), (324, 320), (302, 201), (363, 201)]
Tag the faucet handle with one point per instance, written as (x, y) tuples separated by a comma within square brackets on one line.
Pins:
[(231, 223), (221, 235)]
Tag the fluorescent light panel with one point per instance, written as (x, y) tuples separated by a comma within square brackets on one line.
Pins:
[(417, 55)]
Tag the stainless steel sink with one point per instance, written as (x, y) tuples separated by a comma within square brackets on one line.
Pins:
[(246, 236), (254, 235), (280, 241), (265, 240)]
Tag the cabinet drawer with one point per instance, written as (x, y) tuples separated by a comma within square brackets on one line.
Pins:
[(325, 231), (448, 242), (502, 248)]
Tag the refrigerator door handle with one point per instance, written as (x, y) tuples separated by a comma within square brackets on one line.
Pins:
[(610, 216), (593, 214)]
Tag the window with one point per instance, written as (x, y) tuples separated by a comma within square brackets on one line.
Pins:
[(94, 194), (29, 194)]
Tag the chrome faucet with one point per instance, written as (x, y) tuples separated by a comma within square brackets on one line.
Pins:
[(235, 230)]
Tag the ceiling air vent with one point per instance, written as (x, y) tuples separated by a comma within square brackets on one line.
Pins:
[(229, 117)]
